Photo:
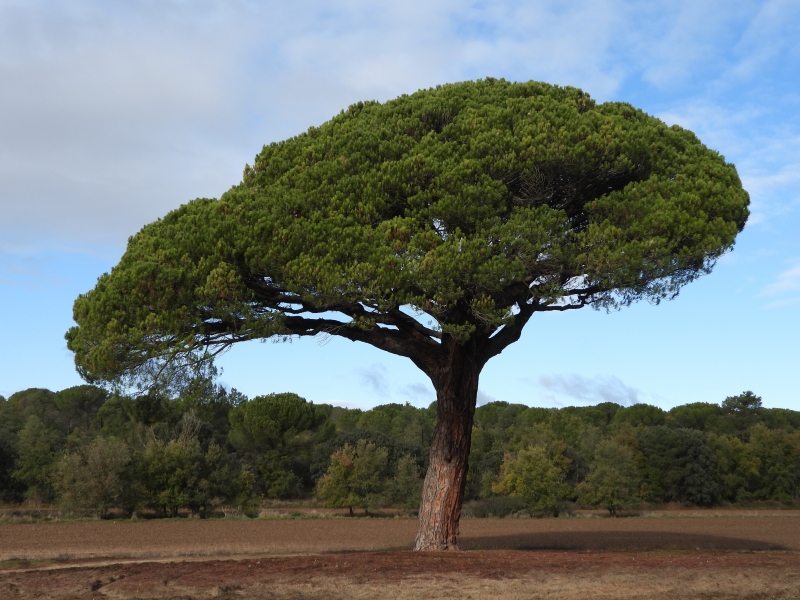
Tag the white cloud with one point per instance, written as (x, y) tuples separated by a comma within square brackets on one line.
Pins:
[(589, 390)]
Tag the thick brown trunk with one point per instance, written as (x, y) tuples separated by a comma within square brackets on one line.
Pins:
[(443, 490)]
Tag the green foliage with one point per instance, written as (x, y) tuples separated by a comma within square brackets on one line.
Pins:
[(640, 415), (115, 418), (743, 412), (30, 402), (94, 478), (676, 465), (737, 467), (276, 475), (11, 489), (536, 478), (243, 491), (484, 470), (345, 419), (178, 451), (498, 415), (212, 404), (279, 432), (778, 453), (400, 421), (780, 418), (405, 488), (395, 448), (697, 415), (37, 447), (355, 477), (461, 202), (598, 416), (746, 402), (273, 422), (612, 482), (79, 405), (178, 473)]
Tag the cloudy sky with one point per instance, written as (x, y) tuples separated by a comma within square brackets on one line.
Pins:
[(114, 113)]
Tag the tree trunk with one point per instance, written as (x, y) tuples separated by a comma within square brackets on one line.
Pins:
[(443, 490)]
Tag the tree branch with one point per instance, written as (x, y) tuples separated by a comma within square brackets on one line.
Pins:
[(422, 351), (508, 334)]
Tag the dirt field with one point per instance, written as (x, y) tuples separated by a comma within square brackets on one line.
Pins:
[(670, 557)]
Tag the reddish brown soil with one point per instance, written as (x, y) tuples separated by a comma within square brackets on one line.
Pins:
[(475, 574), (715, 557)]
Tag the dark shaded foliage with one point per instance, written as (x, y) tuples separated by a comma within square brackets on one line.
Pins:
[(677, 466), (640, 415)]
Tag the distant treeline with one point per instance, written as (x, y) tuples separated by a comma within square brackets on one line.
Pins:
[(212, 449)]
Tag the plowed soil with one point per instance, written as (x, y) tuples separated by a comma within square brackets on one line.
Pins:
[(700, 557)]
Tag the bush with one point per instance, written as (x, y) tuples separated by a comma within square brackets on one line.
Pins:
[(536, 478), (612, 482), (93, 478), (355, 477)]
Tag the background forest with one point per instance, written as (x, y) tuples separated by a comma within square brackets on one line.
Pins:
[(215, 450)]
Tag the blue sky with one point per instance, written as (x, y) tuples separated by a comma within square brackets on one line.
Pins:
[(112, 114)]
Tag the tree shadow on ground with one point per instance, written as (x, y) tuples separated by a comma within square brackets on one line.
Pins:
[(617, 540)]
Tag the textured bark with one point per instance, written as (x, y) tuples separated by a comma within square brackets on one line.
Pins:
[(443, 490)]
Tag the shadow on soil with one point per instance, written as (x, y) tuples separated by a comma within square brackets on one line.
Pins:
[(623, 540)]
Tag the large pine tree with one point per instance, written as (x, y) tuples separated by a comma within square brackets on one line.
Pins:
[(434, 225)]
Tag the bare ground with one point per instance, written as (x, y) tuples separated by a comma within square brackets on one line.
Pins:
[(697, 557)]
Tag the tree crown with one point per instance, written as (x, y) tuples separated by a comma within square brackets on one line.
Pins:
[(449, 215)]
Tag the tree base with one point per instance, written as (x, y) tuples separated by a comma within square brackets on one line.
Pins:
[(436, 546)]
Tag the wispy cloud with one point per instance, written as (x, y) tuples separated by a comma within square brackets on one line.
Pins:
[(419, 392), (772, 31), (785, 289), (374, 377), (589, 390), (788, 281)]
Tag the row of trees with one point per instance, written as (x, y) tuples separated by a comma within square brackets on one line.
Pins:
[(212, 448)]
